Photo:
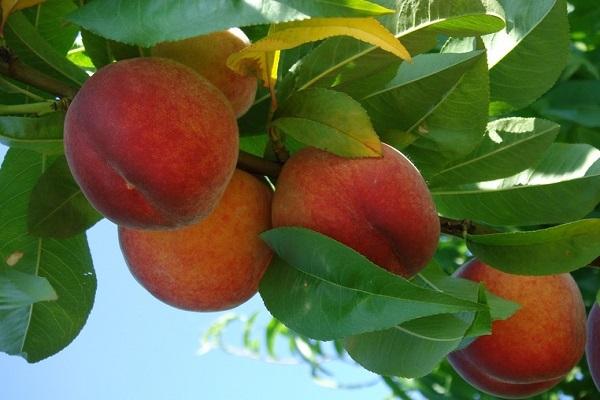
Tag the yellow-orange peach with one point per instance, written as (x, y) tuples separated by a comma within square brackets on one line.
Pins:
[(536, 347), (380, 207), (213, 265), (207, 54), (151, 143)]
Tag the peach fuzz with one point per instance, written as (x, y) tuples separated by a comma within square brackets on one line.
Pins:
[(214, 265), (207, 55), (381, 207), (151, 143)]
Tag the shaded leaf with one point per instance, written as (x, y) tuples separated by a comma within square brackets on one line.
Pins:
[(576, 101), (359, 69), (564, 186), (510, 146), (23, 33), (437, 104), (42, 134), (10, 6), (527, 57)]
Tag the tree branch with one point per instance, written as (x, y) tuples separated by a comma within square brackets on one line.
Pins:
[(11, 66), (256, 165), (462, 227)]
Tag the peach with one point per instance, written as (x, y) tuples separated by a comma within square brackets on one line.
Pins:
[(486, 383), (213, 265), (592, 349), (380, 207), (207, 54), (533, 349), (151, 143)]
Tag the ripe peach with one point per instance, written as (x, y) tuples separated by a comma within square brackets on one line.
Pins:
[(207, 54), (151, 143), (380, 207), (534, 348), (486, 383), (592, 349), (213, 265)]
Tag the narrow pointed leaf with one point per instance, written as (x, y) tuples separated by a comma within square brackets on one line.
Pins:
[(258, 57), (359, 68), (564, 186), (562, 248), (41, 134), (332, 292), (147, 22), (23, 32), (510, 146), (527, 57)]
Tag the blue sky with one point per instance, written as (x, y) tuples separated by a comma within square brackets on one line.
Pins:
[(135, 347)]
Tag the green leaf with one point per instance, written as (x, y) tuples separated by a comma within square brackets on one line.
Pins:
[(147, 22), (438, 103), (39, 331), (527, 57), (576, 101), (410, 350), (563, 187), (57, 207), (434, 277), (97, 48), (24, 34), (359, 69), (329, 120), (562, 248), (41, 134), (510, 146), (18, 289), (415, 347), (48, 18), (332, 292)]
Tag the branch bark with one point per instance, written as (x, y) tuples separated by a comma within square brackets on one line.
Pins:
[(256, 165), (11, 66), (461, 228)]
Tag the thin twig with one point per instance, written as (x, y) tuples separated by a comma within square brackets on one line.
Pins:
[(11, 66), (256, 165)]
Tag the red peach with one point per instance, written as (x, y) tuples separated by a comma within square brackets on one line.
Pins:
[(151, 143), (538, 345), (207, 55), (213, 265), (380, 207)]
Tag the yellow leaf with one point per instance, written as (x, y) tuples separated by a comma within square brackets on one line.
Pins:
[(21, 4), (260, 58), (10, 6)]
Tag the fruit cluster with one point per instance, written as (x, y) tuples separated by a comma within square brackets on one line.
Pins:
[(153, 144)]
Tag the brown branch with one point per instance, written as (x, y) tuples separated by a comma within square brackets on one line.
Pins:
[(11, 66), (462, 227), (256, 165)]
